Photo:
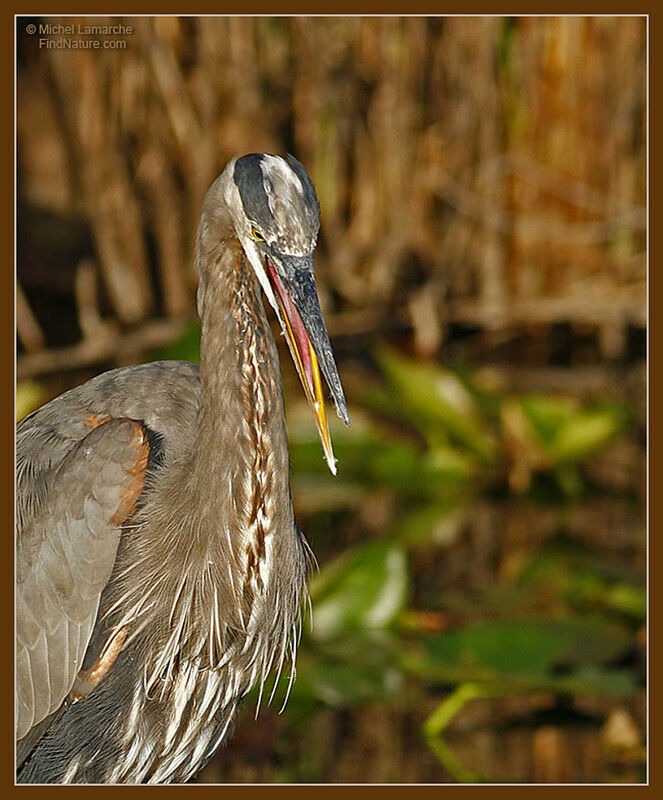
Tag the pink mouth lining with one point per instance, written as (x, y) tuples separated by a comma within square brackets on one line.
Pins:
[(298, 329)]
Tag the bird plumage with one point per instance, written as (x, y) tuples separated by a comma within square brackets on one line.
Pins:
[(169, 483)]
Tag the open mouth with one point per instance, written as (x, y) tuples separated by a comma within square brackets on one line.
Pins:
[(306, 362)]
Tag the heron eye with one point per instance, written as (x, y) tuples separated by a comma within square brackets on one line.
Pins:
[(257, 235)]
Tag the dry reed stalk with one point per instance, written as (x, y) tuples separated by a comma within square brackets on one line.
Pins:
[(461, 163), (27, 327), (107, 194)]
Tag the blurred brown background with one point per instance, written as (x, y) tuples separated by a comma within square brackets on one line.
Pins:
[(485, 172), (482, 183)]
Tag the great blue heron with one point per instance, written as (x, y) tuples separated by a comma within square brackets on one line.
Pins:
[(160, 570)]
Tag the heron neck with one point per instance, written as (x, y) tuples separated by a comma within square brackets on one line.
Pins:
[(241, 419)]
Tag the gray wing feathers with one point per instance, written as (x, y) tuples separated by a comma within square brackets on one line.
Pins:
[(65, 555), (163, 394)]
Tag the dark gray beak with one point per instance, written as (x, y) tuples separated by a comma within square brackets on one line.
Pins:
[(296, 273)]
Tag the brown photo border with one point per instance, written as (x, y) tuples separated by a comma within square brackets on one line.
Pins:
[(338, 7)]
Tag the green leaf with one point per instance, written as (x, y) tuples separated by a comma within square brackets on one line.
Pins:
[(29, 396), (547, 414), (585, 433), (344, 683), (583, 582), (364, 588), (407, 469), (596, 681), (438, 402), (564, 431), (627, 599), (532, 648), (355, 668), (437, 523)]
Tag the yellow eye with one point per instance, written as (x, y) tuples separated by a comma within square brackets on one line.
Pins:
[(257, 235)]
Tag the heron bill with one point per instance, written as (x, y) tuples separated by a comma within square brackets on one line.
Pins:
[(306, 362)]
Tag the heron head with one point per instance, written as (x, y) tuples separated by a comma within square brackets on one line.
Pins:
[(276, 216)]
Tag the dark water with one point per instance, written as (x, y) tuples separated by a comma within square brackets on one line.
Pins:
[(534, 736)]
